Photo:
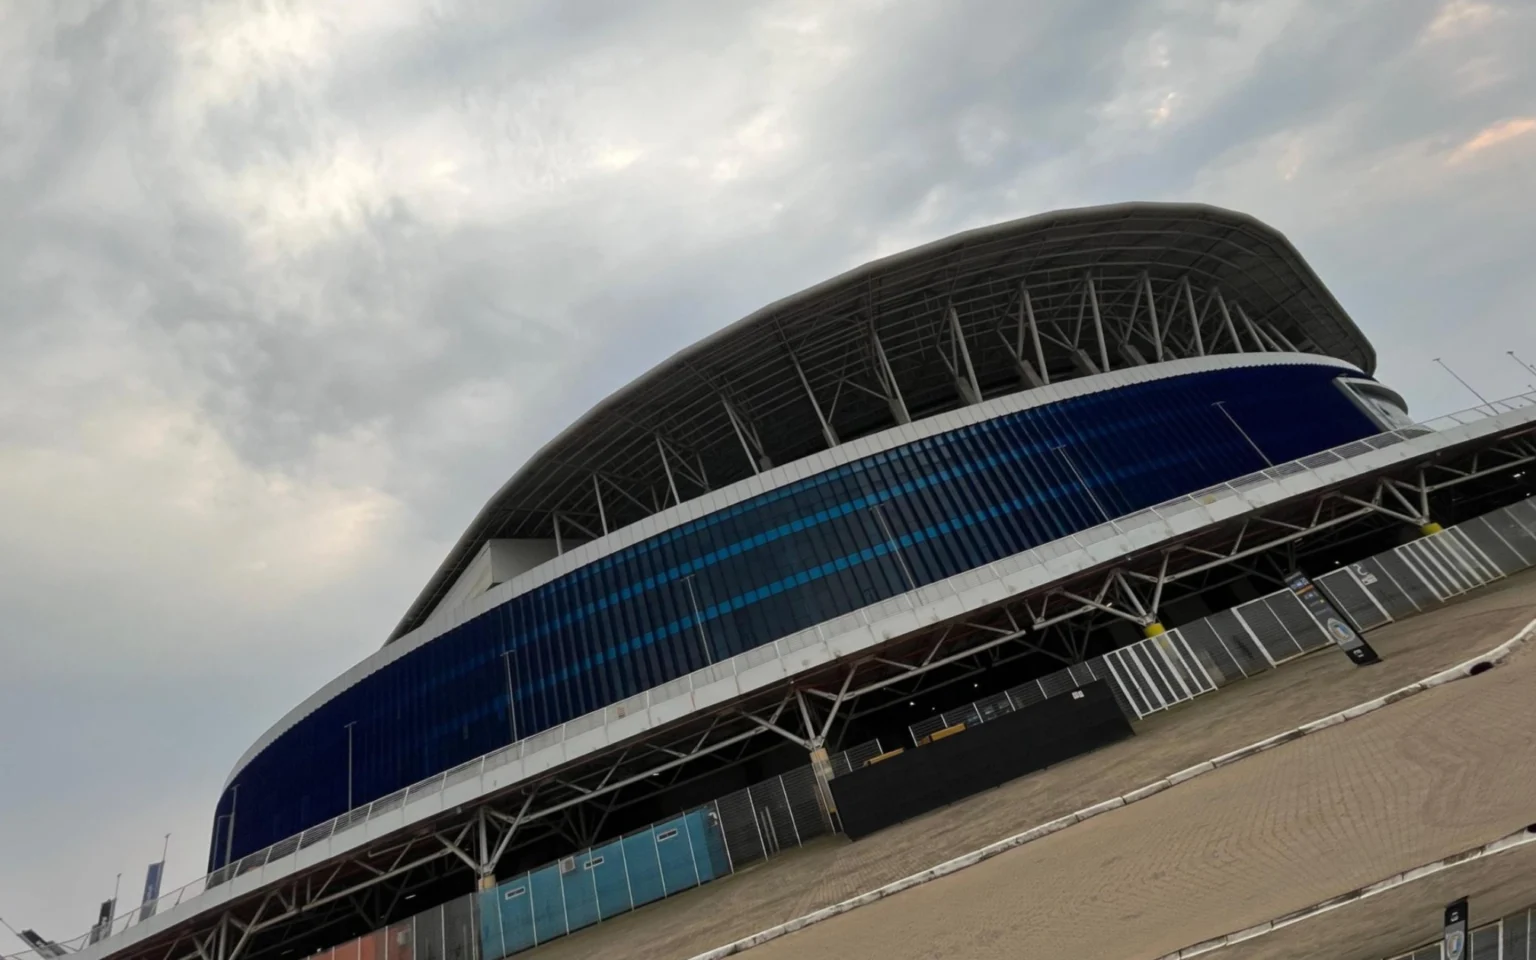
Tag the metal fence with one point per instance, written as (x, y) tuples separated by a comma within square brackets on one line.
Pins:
[(446, 932), (686, 686), (658, 861), (1508, 938), (650, 864), (1196, 658), (1434, 569), (855, 757), (661, 861)]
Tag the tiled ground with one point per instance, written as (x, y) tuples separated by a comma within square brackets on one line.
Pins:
[(1405, 918), (1292, 798), (1420, 780)]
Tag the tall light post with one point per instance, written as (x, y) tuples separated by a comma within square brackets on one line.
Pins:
[(1462, 382), (229, 830), (1523, 365), (506, 660), (1089, 490), (1222, 406), (890, 538), (349, 763)]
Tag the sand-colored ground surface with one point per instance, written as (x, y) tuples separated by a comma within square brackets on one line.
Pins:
[(1402, 919), (1424, 778)]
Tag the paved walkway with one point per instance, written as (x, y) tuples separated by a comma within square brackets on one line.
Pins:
[(1418, 781), (1402, 919), (835, 869)]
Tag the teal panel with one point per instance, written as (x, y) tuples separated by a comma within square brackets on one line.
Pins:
[(517, 931), (708, 844), (644, 869), (673, 849), (580, 893), (548, 903), (609, 877), (491, 946)]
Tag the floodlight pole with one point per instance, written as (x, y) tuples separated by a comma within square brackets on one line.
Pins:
[(1087, 489), (1462, 382), (506, 659), (1523, 365), (1222, 406), (229, 829), (349, 763)]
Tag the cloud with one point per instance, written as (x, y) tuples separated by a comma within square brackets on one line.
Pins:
[(1493, 136), (288, 290), (1460, 17)]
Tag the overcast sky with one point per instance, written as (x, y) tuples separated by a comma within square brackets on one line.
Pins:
[(286, 291)]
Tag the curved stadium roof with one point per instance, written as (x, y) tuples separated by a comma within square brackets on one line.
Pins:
[(747, 372)]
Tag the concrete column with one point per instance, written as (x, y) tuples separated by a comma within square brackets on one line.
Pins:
[(821, 766)]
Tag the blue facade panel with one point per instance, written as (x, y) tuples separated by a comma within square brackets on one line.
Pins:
[(516, 912), (777, 563), (548, 902), (644, 867), (580, 890), (708, 845), (545, 904), (609, 878), (674, 850), (491, 943)]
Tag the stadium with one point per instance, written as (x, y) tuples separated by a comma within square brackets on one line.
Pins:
[(1083, 451)]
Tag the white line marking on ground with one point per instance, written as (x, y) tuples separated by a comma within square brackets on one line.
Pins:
[(1505, 843)]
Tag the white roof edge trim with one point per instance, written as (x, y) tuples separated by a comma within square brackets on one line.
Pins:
[(443, 621), (1089, 215)]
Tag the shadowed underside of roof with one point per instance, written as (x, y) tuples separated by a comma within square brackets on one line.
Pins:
[(715, 412)]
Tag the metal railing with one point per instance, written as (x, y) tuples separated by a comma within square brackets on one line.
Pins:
[(608, 879), (1196, 658), (1507, 938), (685, 686)]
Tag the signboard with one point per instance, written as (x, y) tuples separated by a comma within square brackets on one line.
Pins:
[(103, 925), (151, 890), (44, 948), (1455, 940), (1331, 620)]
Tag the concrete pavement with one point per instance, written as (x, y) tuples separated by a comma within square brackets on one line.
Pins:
[(1444, 771)]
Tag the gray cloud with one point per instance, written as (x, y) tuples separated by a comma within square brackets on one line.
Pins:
[(286, 293)]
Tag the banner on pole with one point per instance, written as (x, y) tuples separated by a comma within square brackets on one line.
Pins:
[(103, 920), (1455, 940), (151, 890), (1331, 620), (44, 947)]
